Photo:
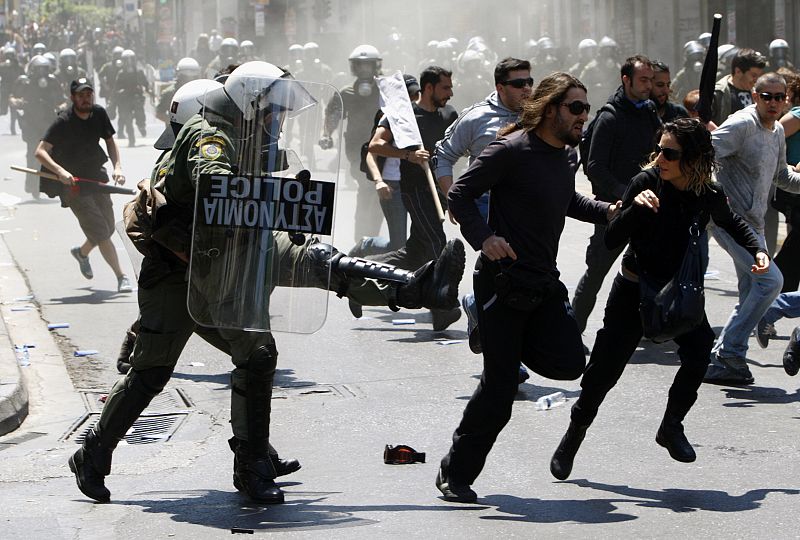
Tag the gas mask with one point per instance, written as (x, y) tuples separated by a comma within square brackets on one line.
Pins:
[(364, 88)]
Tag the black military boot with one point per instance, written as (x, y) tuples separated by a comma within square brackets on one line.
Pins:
[(564, 456), (91, 464), (254, 475), (791, 356), (282, 466), (670, 436), (435, 285)]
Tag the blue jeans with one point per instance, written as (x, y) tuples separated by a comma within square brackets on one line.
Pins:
[(396, 221), (785, 305), (756, 293)]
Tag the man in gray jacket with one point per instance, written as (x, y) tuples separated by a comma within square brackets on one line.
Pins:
[(474, 128), (751, 150)]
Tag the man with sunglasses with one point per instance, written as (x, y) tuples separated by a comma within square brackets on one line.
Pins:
[(751, 150), (474, 128), (622, 139)]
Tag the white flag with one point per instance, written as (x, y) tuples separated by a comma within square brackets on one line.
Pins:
[(396, 105)]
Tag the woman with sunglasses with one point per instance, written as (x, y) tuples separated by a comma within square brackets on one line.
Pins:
[(660, 205)]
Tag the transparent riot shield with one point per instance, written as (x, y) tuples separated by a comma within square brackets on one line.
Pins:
[(261, 199)]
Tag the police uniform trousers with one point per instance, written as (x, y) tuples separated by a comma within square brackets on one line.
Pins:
[(617, 341), (546, 340), (165, 327)]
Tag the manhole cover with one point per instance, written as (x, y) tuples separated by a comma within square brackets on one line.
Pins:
[(158, 423)]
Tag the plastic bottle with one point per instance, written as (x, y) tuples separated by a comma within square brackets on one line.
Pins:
[(552, 400)]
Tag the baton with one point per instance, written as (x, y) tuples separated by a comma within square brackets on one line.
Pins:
[(708, 78), (102, 186), (434, 192)]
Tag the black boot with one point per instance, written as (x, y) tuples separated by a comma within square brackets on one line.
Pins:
[(454, 491), (670, 436), (435, 285), (125, 352), (791, 356), (564, 456), (254, 475), (91, 464), (282, 466)]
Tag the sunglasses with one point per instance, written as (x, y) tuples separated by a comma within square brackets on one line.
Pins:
[(519, 83), (766, 96), (577, 107), (670, 154)]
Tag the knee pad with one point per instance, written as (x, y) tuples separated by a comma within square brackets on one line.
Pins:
[(149, 382)]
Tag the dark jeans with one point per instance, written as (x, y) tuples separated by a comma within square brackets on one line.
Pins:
[(788, 258), (426, 239), (617, 341), (599, 261), (546, 340)]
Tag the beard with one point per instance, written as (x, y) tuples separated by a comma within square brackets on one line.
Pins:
[(564, 131)]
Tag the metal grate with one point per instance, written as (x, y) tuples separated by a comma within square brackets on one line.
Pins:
[(148, 428), (158, 423), (308, 390)]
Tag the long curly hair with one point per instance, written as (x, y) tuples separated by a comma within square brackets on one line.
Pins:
[(697, 161), (550, 91)]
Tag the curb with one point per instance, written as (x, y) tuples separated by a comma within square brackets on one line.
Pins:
[(13, 394)]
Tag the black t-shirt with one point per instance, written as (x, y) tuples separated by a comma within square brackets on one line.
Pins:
[(432, 126), (76, 142)]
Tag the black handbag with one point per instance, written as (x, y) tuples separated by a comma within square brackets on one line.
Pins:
[(673, 309)]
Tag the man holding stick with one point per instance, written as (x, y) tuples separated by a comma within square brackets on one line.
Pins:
[(419, 193), (70, 148)]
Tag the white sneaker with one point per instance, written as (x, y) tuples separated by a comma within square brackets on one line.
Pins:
[(124, 284)]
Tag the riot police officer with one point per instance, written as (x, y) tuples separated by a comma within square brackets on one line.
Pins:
[(359, 100), (187, 69), (216, 143), (37, 96), (247, 51), (68, 69), (778, 55), (228, 56), (587, 50), (130, 88), (688, 78), (107, 75), (601, 75), (10, 70)]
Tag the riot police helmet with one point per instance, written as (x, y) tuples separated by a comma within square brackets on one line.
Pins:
[(38, 49), (38, 67), (705, 39), (365, 62), (777, 44), (587, 49), (187, 69), (116, 52), (128, 59), (247, 49), (50, 57), (67, 58), (9, 53), (693, 51), (186, 102), (229, 51)]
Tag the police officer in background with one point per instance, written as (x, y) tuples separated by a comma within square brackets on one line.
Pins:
[(130, 87), (108, 76), (359, 102), (688, 78), (248, 107), (10, 70), (187, 69), (68, 69), (37, 96), (228, 56)]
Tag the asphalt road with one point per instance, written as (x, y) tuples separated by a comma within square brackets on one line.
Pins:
[(356, 385)]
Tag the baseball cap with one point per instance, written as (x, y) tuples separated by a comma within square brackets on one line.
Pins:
[(80, 84), (411, 84)]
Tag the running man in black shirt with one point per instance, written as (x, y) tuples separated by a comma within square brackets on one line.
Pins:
[(70, 148), (523, 310)]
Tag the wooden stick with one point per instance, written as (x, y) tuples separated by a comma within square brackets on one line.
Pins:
[(434, 191)]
